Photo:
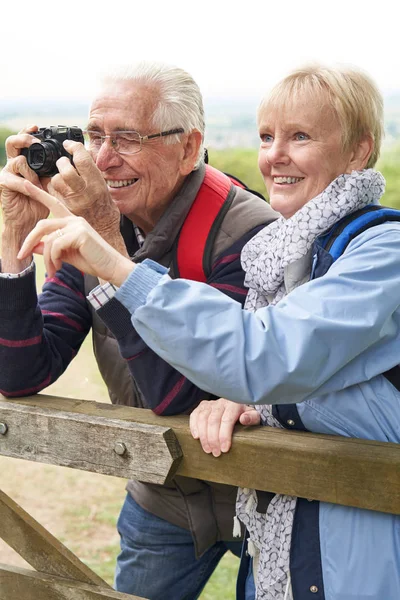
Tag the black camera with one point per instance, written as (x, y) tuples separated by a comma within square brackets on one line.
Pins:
[(42, 157)]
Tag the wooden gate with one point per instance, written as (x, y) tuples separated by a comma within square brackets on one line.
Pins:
[(136, 444)]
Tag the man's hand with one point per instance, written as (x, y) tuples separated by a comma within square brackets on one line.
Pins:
[(67, 238), (20, 213), (213, 421), (84, 191)]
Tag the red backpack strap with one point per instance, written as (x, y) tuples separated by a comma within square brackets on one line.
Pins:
[(198, 232)]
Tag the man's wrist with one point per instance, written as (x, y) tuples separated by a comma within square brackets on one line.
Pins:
[(16, 233), (115, 239), (10, 275), (108, 226), (11, 241), (102, 215)]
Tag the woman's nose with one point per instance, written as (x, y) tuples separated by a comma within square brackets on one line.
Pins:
[(277, 153)]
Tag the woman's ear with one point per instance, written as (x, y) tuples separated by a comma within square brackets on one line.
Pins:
[(191, 148), (361, 153)]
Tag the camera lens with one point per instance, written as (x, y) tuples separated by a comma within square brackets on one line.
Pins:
[(42, 158), (36, 156)]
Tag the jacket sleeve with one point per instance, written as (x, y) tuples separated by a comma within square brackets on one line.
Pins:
[(40, 336), (328, 334), (166, 390)]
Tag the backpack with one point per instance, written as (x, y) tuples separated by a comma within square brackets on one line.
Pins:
[(334, 243), (193, 249)]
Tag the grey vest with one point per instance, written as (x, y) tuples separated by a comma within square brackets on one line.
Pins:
[(204, 508)]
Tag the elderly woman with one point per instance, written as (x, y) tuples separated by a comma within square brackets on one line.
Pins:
[(316, 337)]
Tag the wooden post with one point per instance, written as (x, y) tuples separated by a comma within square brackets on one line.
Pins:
[(39, 547), (22, 584)]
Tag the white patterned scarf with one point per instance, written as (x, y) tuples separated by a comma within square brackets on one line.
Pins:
[(264, 259)]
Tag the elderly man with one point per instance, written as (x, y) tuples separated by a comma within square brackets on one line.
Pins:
[(144, 187)]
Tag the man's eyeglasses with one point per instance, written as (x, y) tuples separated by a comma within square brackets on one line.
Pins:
[(123, 142)]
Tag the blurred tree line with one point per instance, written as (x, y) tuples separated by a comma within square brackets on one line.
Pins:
[(243, 164)]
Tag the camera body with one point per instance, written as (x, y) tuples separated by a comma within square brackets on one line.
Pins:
[(42, 157)]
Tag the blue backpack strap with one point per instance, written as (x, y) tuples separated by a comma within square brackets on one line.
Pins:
[(339, 237)]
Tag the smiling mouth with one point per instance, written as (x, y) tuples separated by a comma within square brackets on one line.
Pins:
[(120, 183), (287, 180)]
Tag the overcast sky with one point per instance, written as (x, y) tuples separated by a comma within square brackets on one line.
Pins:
[(236, 47)]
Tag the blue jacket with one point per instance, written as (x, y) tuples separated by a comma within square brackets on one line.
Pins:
[(324, 348)]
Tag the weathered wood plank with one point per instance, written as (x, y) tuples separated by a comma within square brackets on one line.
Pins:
[(345, 471), (22, 584), (90, 443), (39, 547)]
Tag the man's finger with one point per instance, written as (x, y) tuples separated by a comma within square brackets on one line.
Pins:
[(29, 129), (14, 143), (19, 166), (12, 182), (74, 184), (57, 185), (83, 162)]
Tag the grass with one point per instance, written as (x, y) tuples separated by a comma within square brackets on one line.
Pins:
[(85, 525)]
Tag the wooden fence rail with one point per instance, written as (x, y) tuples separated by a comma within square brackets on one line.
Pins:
[(135, 443)]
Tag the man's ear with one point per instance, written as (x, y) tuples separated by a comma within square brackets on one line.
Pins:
[(361, 153), (191, 148)]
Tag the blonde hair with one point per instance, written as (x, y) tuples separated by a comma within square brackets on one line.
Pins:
[(352, 94)]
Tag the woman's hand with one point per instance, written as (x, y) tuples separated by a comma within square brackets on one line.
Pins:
[(213, 421), (67, 238)]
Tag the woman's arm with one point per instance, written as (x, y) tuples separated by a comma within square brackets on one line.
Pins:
[(326, 335)]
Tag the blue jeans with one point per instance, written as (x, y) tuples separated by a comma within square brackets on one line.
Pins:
[(157, 559), (250, 584), (245, 585)]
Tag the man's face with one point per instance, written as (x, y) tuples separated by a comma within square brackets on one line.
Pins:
[(142, 184)]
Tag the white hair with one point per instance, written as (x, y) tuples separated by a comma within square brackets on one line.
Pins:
[(180, 101)]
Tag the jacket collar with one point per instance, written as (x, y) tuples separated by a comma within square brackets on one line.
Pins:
[(160, 240)]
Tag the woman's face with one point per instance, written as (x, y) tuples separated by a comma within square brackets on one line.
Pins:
[(301, 152)]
